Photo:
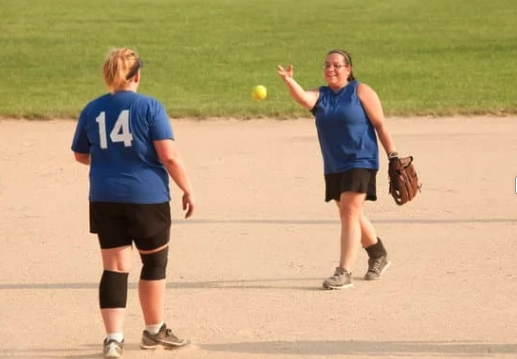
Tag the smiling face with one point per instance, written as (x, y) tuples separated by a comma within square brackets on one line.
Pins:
[(336, 70)]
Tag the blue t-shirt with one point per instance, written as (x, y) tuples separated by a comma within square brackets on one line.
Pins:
[(346, 136), (118, 131)]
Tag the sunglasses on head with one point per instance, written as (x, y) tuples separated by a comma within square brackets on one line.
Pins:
[(139, 64)]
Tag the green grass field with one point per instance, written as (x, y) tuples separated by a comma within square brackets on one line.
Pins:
[(202, 58)]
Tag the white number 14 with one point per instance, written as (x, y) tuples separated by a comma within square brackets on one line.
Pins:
[(120, 132)]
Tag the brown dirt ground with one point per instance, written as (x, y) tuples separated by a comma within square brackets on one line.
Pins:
[(245, 272)]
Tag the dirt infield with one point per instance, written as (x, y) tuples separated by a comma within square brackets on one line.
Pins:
[(245, 272)]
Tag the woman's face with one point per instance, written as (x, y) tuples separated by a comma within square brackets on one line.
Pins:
[(336, 71)]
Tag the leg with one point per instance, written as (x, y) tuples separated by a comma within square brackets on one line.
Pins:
[(350, 212), (150, 229), (357, 182), (113, 287), (151, 232), (368, 234), (151, 291), (377, 255), (108, 222), (113, 297), (151, 287), (374, 247)]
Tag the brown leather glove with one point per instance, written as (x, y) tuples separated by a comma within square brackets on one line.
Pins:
[(403, 179)]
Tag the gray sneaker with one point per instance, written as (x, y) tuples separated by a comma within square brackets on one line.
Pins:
[(164, 339), (340, 280), (113, 349), (377, 266)]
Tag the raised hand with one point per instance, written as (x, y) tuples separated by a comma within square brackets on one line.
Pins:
[(286, 75)]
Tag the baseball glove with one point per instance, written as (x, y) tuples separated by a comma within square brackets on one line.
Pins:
[(403, 179)]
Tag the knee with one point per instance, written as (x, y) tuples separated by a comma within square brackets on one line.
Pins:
[(349, 213), (350, 208), (154, 265)]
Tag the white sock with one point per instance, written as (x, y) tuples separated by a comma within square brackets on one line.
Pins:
[(119, 337), (155, 328)]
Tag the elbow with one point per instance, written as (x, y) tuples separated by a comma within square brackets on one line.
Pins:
[(381, 128), (169, 161), (305, 104), (378, 124), (307, 101), (83, 158)]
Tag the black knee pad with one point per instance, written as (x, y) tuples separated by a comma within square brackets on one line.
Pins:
[(154, 265), (113, 290)]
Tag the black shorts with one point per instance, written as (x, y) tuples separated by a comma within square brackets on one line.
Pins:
[(359, 180), (121, 224)]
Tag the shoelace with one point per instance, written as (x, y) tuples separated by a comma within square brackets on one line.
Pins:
[(169, 334), (376, 265), (338, 274), (113, 342)]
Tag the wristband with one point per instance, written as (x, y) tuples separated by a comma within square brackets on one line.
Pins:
[(393, 154)]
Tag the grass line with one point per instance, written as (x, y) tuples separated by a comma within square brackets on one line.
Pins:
[(441, 57)]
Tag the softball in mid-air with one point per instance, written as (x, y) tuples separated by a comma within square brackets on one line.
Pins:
[(259, 92)]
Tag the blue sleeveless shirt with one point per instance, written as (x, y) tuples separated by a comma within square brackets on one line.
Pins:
[(346, 136)]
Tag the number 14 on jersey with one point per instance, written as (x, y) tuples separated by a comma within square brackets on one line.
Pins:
[(119, 133)]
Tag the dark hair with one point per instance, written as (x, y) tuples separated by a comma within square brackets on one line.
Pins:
[(348, 61)]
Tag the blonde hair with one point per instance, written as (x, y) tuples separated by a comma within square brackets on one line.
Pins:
[(120, 67)]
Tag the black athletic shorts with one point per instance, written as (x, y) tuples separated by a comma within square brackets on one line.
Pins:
[(359, 180), (121, 224)]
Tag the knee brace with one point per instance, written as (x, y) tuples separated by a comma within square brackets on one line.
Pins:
[(154, 265), (113, 290)]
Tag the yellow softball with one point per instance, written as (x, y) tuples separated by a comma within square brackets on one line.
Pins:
[(259, 92)]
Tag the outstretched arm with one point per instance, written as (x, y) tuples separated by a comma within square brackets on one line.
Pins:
[(306, 99)]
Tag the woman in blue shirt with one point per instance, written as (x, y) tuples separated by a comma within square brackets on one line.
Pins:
[(348, 118), (128, 142)]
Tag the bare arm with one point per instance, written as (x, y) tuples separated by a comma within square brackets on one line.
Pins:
[(173, 162), (373, 108), (306, 99), (83, 158)]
